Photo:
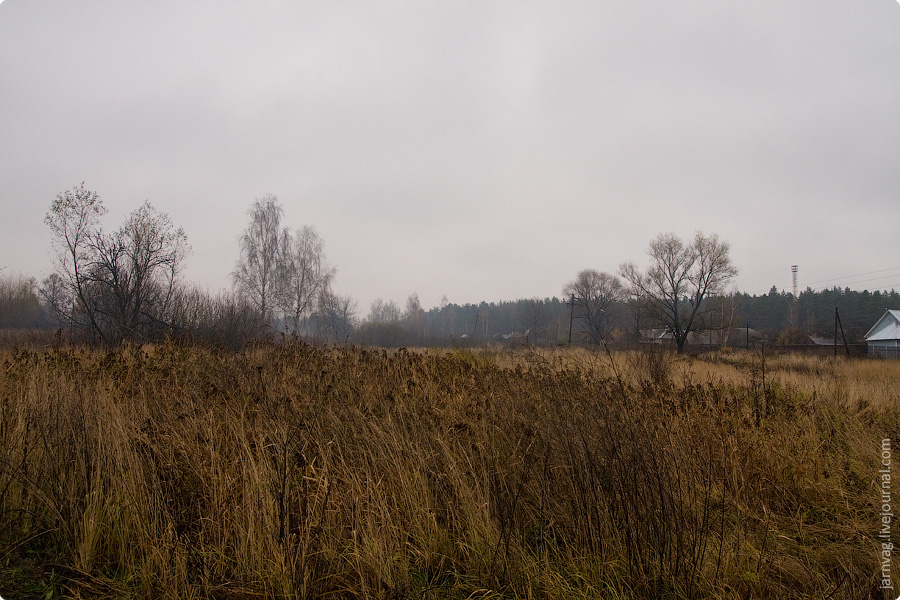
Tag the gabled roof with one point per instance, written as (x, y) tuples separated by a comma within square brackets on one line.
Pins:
[(656, 334), (886, 328)]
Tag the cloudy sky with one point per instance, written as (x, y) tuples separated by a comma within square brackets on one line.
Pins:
[(482, 150)]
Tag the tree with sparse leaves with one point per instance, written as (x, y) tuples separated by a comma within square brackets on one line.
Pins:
[(120, 284)]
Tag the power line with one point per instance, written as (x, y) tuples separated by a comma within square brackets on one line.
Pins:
[(849, 283), (857, 275), (893, 285), (845, 284)]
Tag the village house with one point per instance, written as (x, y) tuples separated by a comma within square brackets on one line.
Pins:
[(884, 337)]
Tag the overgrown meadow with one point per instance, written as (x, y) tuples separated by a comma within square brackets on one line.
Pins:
[(297, 471)]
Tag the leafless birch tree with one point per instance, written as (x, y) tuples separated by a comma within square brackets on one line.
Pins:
[(383, 312), (259, 275), (306, 275), (281, 272)]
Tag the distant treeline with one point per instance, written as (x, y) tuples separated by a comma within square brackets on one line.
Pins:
[(778, 314), (223, 320)]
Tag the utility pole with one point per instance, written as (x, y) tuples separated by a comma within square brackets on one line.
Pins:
[(571, 316), (834, 340), (795, 305), (837, 323)]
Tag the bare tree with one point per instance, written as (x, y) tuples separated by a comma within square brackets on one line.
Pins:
[(727, 306), (74, 220), (281, 272), (19, 303), (594, 293), (532, 313), (679, 279), (224, 319), (122, 283), (383, 312), (134, 272), (414, 319), (259, 275), (57, 300), (335, 316), (306, 275)]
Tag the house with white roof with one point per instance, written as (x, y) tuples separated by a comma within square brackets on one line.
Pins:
[(884, 337)]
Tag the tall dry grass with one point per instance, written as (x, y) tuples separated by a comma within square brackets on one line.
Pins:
[(296, 471)]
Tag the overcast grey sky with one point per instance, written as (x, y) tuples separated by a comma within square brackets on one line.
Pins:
[(482, 150)]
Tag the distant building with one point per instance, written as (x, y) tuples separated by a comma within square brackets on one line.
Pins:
[(657, 336), (736, 337), (511, 339), (884, 337)]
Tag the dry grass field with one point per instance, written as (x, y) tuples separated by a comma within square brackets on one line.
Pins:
[(294, 471)]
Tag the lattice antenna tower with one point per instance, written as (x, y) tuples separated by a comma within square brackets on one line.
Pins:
[(794, 269)]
